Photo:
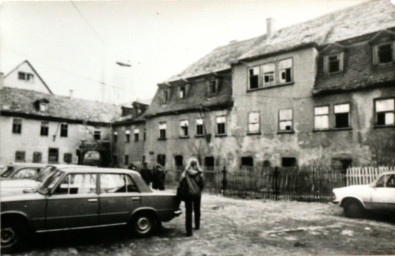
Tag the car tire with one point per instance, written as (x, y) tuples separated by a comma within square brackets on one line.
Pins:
[(13, 236), (144, 224), (353, 209)]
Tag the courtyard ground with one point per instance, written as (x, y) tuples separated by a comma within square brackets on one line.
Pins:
[(238, 227)]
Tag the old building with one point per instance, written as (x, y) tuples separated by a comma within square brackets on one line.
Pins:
[(37, 126), (320, 92)]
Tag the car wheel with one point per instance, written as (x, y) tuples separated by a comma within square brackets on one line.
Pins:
[(13, 235), (144, 224), (354, 209)]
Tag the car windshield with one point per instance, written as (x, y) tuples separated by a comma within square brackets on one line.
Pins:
[(50, 182), (8, 172), (45, 173)]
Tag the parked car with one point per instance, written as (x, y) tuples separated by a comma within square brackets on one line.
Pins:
[(75, 198), (22, 171), (17, 186), (377, 196)]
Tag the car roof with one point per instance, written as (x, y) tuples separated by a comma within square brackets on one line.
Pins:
[(92, 169), (27, 164)]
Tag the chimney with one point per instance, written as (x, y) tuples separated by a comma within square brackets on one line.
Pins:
[(70, 94), (270, 27)]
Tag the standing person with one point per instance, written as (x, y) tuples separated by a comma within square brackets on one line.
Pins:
[(146, 174), (159, 175), (190, 190)]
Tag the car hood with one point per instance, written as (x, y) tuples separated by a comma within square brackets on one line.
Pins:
[(163, 192), (21, 197), (10, 184)]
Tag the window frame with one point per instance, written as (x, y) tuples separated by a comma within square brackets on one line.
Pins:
[(279, 82), (127, 136), (348, 116), (44, 129), (64, 131), (18, 155), (184, 129), (376, 54), (376, 113), (217, 130), (258, 123), (136, 133), (162, 131), (182, 92), (249, 76), (197, 127), (340, 59), (97, 134), (285, 120), (328, 115), (17, 127)]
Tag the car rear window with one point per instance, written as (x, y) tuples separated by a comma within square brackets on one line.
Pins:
[(7, 172)]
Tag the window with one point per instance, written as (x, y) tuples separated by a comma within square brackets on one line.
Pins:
[(385, 109), (20, 156), (97, 135), (221, 125), (253, 122), (116, 183), (25, 76), (162, 130), (53, 155), (333, 63), (77, 184), (209, 163), (115, 136), (321, 118), (166, 95), (37, 157), (44, 129), (288, 162), (285, 71), (43, 106), (342, 115), (247, 161), (63, 130), (285, 120), (161, 159), (26, 173), (179, 161), (136, 134), (126, 159), (184, 128), (384, 53), (254, 77), (268, 74), (213, 87), (17, 126), (127, 136), (67, 158), (199, 127), (182, 92)]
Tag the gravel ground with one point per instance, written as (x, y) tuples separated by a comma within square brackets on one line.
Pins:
[(238, 227)]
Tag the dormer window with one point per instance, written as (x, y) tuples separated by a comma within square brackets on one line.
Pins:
[(166, 94), (212, 87), (333, 63), (384, 53), (383, 46), (182, 92), (43, 106), (25, 76)]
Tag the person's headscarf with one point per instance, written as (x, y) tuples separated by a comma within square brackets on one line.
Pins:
[(190, 169)]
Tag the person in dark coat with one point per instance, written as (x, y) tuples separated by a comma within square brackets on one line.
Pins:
[(191, 178), (158, 179), (146, 174)]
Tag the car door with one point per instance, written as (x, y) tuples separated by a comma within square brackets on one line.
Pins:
[(119, 196), (74, 203), (383, 193)]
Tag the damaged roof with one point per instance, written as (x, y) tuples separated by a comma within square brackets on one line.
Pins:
[(24, 102), (348, 23)]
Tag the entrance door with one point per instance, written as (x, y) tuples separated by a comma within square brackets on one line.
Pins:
[(74, 203)]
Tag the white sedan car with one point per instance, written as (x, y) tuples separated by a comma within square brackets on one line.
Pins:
[(379, 195)]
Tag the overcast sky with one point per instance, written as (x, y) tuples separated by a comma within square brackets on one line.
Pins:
[(74, 45)]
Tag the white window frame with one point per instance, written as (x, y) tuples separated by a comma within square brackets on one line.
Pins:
[(254, 124), (255, 72), (270, 70), (285, 119), (184, 132), (162, 126), (199, 121), (388, 111), (342, 108), (376, 56), (282, 68), (220, 120), (321, 113)]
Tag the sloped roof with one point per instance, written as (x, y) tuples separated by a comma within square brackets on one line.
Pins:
[(340, 25), (22, 101)]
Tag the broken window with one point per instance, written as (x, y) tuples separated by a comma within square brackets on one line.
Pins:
[(97, 135), (247, 161), (268, 74), (253, 122), (162, 130), (182, 92), (288, 162), (285, 71), (184, 128), (20, 156), (342, 115), (17, 125), (285, 120), (136, 134), (221, 128), (321, 118), (199, 127), (209, 163), (44, 128), (127, 136), (53, 155), (385, 110), (254, 77), (63, 130)]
